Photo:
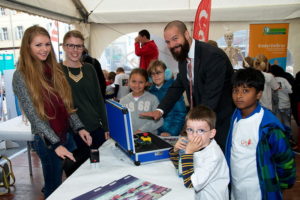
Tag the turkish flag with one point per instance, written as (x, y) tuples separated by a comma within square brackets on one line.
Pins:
[(54, 32), (202, 19)]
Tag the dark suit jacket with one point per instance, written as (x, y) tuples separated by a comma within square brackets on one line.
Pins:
[(212, 85)]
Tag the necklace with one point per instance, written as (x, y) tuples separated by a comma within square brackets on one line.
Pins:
[(77, 77)]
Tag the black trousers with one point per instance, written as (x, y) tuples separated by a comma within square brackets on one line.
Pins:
[(222, 127), (82, 153)]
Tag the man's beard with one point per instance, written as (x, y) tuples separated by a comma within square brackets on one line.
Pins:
[(183, 54)]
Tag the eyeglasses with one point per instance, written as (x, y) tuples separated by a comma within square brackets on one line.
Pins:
[(75, 46), (191, 131), (155, 73)]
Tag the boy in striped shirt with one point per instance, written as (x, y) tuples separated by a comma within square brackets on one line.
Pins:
[(203, 164)]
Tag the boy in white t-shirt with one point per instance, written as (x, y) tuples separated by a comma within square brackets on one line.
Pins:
[(258, 153), (121, 84), (203, 164)]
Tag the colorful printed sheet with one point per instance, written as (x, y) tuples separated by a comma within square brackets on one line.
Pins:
[(126, 188)]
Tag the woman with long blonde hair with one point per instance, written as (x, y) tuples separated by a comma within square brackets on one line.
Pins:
[(45, 97)]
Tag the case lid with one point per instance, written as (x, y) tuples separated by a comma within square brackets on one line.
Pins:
[(120, 127)]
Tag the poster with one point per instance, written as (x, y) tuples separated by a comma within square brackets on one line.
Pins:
[(126, 188), (270, 40)]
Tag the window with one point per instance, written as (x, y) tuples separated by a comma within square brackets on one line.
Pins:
[(3, 33), (2, 12), (121, 53), (241, 42), (48, 27), (19, 32)]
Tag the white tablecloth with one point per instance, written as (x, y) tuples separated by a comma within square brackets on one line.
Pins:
[(114, 164), (15, 129)]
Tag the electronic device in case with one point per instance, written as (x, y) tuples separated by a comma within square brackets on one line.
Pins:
[(140, 148)]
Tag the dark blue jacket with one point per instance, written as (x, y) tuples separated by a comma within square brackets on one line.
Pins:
[(174, 120)]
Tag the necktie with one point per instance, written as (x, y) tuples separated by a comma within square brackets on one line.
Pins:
[(190, 75)]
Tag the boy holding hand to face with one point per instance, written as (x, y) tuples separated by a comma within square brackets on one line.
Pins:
[(203, 164)]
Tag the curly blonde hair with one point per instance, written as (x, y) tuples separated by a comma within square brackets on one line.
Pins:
[(261, 63), (35, 80)]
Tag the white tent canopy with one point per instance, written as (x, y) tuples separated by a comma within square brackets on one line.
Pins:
[(106, 20), (141, 11)]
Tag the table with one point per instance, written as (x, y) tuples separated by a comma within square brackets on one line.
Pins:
[(16, 129), (114, 164)]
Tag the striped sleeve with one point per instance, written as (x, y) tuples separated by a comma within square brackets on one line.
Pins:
[(174, 157), (187, 169)]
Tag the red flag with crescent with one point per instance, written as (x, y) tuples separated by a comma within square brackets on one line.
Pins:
[(54, 32), (202, 19)]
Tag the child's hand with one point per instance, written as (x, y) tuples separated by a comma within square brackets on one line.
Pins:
[(137, 131), (165, 134), (180, 144), (194, 145), (107, 135)]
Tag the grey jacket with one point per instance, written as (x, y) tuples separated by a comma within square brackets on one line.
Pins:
[(38, 125)]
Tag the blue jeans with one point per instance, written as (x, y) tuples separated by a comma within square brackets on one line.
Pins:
[(285, 116), (51, 163)]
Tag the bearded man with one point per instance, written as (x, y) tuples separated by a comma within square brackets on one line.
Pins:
[(204, 73)]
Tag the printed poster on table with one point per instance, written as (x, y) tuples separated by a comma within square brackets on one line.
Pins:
[(270, 40), (126, 188)]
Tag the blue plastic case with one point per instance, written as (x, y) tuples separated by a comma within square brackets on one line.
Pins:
[(120, 129)]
